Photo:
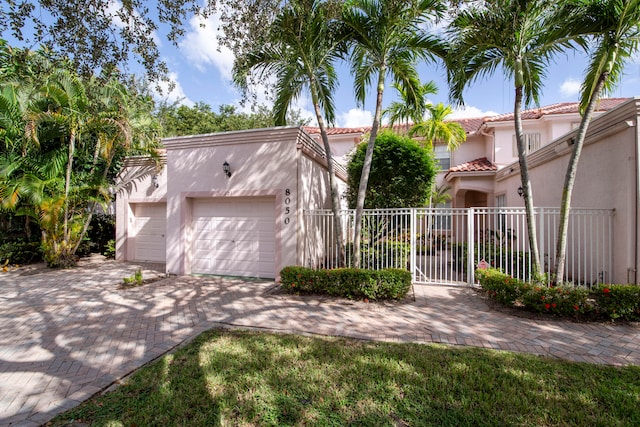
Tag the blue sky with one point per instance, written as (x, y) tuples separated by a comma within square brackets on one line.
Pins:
[(203, 73)]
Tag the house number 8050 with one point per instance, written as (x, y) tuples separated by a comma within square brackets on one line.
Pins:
[(287, 209)]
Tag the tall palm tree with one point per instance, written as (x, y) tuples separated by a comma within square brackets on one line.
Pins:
[(305, 41), (521, 37), (388, 38), (614, 28), (403, 111)]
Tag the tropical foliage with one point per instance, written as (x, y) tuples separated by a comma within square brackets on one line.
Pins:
[(388, 38), (520, 37), (64, 138), (613, 28)]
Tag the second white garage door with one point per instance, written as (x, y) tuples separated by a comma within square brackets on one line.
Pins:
[(150, 227), (234, 237)]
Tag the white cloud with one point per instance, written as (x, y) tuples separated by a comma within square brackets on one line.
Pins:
[(570, 87), (176, 94), (201, 47), (355, 117), (469, 112)]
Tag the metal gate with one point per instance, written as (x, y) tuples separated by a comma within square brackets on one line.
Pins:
[(446, 245)]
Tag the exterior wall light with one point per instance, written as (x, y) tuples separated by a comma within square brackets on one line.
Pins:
[(154, 181), (520, 192), (227, 169)]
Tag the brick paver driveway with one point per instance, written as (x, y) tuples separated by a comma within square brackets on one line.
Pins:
[(67, 335)]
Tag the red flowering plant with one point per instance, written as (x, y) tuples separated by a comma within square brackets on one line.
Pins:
[(559, 300), (617, 301)]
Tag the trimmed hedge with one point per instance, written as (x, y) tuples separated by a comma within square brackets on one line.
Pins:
[(347, 282), (604, 301)]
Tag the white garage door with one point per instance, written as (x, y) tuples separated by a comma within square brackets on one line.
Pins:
[(150, 228), (234, 237)]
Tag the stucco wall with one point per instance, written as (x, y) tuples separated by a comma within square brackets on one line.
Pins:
[(263, 164), (134, 185), (606, 179), (475, 147)]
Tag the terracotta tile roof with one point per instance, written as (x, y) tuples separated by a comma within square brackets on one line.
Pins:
[(478, 165), (470, 125), (312, 130), (604, 104)]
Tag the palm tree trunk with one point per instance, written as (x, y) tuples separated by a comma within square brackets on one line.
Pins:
[(526, 184), (67, 185), (569, 180), (333, 184), (366, 169)]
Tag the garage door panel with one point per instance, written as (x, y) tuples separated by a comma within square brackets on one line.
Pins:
[(150, 226), (234, 237)]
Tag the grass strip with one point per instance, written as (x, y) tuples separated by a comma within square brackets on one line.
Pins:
[(258, 379)]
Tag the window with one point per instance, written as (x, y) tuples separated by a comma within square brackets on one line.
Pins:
[(532, 142), (501, 201), (442, 156), (442, 218)]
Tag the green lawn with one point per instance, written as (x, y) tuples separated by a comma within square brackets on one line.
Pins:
[(258, 379)]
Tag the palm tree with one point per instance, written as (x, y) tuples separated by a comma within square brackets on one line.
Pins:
[(614, 27), (437, 129), (388, 38), (403, 111), (521, 37), (305, 41)]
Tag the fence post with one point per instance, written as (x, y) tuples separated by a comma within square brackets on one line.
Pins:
[(412, 244), (470, 246)]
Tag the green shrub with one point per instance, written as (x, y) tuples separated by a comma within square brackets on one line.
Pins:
[(560, 300), (617, 301), (110, 249), (499, 286), (135, 280), (347, 282), (609, 301), (20, 252)]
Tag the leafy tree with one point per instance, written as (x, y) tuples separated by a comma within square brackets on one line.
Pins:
[(402, 173), (105, 35), (58, 168), (521, 37), (178, 120), (305, 41), (614, 28), (388, 38)]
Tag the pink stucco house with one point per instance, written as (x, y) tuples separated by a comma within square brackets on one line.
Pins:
[(225, 204), (199, 220)]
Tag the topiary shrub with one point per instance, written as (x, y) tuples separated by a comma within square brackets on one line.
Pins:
[(347, 282), (499, 286)]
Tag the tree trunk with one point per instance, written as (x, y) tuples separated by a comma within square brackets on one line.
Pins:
[(526, 184), (64, 250), (333, 184), (569, 180), (366, 169)]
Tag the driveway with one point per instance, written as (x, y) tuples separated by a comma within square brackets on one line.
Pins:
[(69, 334)]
